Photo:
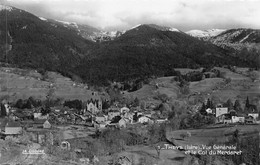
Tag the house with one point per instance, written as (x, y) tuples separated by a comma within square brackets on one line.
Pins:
[(209, 111), (15, 116), (42, 123), (113, 113), (224, 118), (22, 115), (94, 105), (221, 110), (227, 121), (100, 119), (254, 115), (38, 115), (159, 121), (100, 125), (238, 119), (10, 127), (124, 110), (249, 119), (122, 122), (144, 119), (47, 124), (128, 116)]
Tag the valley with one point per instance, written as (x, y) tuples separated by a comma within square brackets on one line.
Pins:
[(74, 94)]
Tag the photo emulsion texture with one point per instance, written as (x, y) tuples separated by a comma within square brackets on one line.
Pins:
[(129, 82)]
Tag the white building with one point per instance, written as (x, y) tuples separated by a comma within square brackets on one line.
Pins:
[(236, 119), (112, 114), (38, 115), (144, 119), (94, 106), (254, 115), (100, 119), (221, 111), (209, 111), (122, 123), (124, 110)]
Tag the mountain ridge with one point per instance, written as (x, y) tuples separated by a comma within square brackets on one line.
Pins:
[(143, 51)]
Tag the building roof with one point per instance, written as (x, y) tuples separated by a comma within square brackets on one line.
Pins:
[(11, 123), (19, 115), (39, 121), (4, 122)]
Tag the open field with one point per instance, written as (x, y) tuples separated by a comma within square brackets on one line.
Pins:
[(234, 76), (18, 83), (205, 85), (147, 155), (208, 135), (240, 87), (149, 92), (75, 131)]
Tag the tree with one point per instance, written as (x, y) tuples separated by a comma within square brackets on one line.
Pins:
[(203, 109), (253, 76), (209, 104), (105, 105), (19, 103), (247, 105), (237, 106), (77, 104), (3, 110), (136, 102), (45, 110), (229, 104), (171, 114)]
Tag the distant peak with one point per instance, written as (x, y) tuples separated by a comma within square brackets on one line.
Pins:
[(157, 27)]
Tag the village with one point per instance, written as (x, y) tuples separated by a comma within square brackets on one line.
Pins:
[(141, 118), (93, 115), (73, 123)]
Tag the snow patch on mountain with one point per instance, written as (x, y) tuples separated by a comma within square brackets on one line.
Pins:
[(135, 26), (43, 19), (174, 30), (205, 33), (245, 38), (74, 24), (4, 7)]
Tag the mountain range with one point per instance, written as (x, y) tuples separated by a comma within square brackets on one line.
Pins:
[(98, 57)]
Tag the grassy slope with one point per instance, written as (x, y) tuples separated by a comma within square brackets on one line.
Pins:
[(18, 83), (149, 92), (240, 87)]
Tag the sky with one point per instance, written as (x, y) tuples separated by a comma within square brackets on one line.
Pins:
[(123, 14)]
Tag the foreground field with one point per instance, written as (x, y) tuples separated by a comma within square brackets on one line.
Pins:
[(208, 135)]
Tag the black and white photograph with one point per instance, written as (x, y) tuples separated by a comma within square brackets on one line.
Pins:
[(129, 82)]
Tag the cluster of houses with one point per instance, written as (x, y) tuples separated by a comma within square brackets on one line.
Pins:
[(121, 117), (226, 116), (16, 122)]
